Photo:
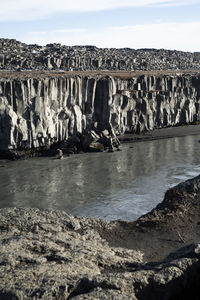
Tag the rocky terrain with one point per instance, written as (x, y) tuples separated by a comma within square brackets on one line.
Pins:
[(80, 98), (37, 111), (52, 255), (45, 109), (15, 55)]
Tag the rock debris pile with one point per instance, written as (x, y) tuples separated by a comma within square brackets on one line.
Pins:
[(94, 140), (15, 55)]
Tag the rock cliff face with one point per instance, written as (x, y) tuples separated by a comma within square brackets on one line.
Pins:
[(36, 112)]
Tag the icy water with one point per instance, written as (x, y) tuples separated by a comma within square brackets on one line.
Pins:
[(119, 185)]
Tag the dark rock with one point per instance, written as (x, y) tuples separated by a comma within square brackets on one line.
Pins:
[(18, 56)]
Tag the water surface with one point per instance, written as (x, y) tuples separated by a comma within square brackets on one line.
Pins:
[(123, 184)]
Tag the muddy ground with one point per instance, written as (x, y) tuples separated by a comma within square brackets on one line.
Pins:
[(174, 223)]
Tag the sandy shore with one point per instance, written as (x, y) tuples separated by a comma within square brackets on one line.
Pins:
[(163, 133)]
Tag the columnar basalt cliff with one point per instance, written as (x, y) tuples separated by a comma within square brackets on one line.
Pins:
[(37, 111)]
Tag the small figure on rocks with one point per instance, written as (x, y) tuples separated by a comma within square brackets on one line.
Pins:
[(59, 154)]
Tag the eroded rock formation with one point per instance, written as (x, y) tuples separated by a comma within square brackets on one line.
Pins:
[(15, 55), (52, 255), (45, 109)]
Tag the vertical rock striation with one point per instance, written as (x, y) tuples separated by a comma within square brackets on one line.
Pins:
[(40, 111)]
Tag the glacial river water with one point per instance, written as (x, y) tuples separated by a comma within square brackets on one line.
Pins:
[(119, 185)]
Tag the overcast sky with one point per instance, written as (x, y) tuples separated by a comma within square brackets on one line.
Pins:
[(169, 24)]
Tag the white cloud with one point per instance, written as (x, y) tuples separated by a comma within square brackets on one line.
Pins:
[(180, 36), (12, 10), (52, 32), (73, 30), (38, 33), (159, 35)]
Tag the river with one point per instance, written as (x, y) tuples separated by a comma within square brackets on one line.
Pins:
[(119, 185)]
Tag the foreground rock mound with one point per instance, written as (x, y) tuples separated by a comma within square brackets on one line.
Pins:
[(51, 255)]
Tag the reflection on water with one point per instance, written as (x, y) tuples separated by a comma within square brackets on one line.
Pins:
[(116, 185)]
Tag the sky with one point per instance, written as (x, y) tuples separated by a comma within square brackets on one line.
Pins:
[(168, 24)]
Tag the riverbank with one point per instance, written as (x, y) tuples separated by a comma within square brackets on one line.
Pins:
[(162, 133), (100, 142), (155, 257)]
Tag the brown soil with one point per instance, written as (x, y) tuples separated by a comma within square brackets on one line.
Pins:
[(171, 225), (22, 75)]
